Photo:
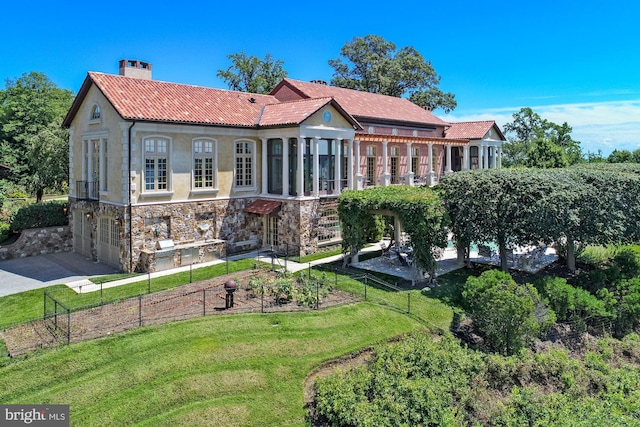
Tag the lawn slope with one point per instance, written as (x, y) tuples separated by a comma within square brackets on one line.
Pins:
[(239, 370)]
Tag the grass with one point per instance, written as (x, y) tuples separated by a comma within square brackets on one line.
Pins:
[(218, 370), (25, 306), (243, 370), (320, 255), (113, 277)]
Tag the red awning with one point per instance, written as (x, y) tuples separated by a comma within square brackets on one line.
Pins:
[(263, 207)]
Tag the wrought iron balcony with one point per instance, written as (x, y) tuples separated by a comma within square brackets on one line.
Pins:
[(87, 190)]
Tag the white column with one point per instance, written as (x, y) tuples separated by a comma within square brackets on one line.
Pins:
[(102, 184), (316, 167), (350, 164), (449, 159), (337, 166), (499, 157), (285, 166), (359, 177), (431, 172), (465, 158), (265, 179), (385, 164), (410, 172), (300, 168), (494, 161), (485, 159)]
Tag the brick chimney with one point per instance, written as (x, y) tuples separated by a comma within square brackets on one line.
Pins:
[(135, 68)]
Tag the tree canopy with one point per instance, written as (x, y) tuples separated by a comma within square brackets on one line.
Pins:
[(536, 142), (32, 141), (372, 64), (249, 73)]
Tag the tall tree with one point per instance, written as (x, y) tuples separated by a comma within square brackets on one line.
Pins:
[(31, 111), (371, 64), (249, 73), (530, 135)]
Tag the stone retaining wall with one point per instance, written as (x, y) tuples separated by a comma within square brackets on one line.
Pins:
[(38, 241)]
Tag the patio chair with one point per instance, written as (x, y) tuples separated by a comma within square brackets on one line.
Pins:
[(485, 251)]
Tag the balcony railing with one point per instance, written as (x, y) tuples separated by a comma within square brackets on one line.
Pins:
[(87, 190)]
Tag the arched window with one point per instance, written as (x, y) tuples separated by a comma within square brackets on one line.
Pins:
[(95, 112)]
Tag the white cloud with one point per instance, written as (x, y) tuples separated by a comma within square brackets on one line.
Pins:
[(604, 125)]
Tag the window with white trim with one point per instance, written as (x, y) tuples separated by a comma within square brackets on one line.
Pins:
[(156, 164), (204, 164), (244, 163), (371, 165)]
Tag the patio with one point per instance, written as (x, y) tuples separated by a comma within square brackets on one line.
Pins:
[(530, 259)]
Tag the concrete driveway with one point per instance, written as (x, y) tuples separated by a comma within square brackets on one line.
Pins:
[(19, 275)]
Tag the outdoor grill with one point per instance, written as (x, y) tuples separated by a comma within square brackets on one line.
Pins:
[(165, 250)]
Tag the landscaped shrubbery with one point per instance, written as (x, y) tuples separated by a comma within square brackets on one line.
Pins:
[(433, 381), (46, 214)]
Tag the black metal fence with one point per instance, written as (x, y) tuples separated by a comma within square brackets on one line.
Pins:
[(86, 315)]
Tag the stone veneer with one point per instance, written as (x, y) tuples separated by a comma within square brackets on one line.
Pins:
[(38, 241), (217, 227)]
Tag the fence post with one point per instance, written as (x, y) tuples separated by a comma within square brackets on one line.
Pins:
[(101, 300), (365, 286), (68, 326), (226, 255), (148, 282), (44, 314), (309, 271), (204, 302), (139, 310), (55, 313), (317, 293), (262, 299), (409, 302), (191, 273)]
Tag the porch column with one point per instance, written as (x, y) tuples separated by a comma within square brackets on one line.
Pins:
[(300, 168), (350, 164), (265, 175), (494, 160), (500, 157), (485, 160), (316, 167), (359, 177), (386, 176), (337, 166), (465, 158), (449, 170), (410, 172), (481, 157), (431, 172)]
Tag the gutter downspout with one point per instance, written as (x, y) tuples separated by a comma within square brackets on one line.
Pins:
[(129, 203)]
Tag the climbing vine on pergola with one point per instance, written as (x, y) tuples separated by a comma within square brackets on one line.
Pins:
[(419, 210)]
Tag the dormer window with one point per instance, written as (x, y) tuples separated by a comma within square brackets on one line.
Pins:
[(95, 112)]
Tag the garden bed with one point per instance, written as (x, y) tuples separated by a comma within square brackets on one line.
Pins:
[(256, 292)]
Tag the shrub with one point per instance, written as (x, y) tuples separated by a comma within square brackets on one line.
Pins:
[(47, 214), (508, 314)]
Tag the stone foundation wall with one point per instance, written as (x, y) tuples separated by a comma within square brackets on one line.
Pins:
[(38, 241)]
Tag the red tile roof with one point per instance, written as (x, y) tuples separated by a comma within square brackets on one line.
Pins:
[(139, 99), (365, 105), (263, 207), (289, 113), (151, 100), (472, 130)]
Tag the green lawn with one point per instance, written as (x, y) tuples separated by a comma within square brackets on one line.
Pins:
[(25, 306), (231, 370), (245, 370)]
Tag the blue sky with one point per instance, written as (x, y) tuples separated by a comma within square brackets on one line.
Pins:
[(573, 61)]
